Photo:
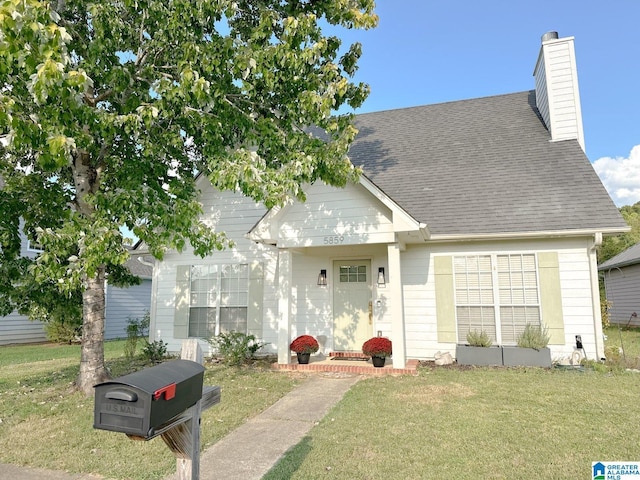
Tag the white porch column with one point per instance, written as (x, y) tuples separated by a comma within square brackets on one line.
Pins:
[(397, 306), (284, 292)]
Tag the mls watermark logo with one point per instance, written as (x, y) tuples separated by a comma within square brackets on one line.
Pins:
[(615, 470)]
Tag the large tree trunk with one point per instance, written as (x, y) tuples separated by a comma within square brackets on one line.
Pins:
[(92, 369)]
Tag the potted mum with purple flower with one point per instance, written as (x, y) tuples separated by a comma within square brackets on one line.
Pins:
[(304, 346), (378, 348)]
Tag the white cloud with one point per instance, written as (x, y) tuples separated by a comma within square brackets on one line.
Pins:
[(621, 177)]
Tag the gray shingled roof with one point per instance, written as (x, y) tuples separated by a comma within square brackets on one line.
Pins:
[(138, 268), (631, 256), (482, 166)]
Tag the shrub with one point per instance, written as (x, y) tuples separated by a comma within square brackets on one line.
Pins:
[(479, 339), (534, 336), (304, 344), (59, 331), (154, 351), (236, 347), (136, 329), (377, 347), (605, 313)]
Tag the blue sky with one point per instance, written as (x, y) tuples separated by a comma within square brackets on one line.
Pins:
[(426, 51)]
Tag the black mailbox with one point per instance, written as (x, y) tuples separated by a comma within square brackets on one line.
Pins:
[(141, 402)]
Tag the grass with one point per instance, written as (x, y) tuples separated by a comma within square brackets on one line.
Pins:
[(45, 423), (622, 346), (477, 423), (443, 423)]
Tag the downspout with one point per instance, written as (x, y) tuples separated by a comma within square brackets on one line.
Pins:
[(595, 294)]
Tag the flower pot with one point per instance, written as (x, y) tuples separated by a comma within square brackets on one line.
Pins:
[(303, 358), (481, 356), (378, 361), (526, 357)]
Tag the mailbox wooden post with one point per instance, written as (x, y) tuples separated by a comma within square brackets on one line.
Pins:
[(164, 400), (184, 439)]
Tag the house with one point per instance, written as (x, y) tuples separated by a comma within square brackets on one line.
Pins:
[(622, 286), (122, 305), (125, 304), (481, 214), (16, 328)]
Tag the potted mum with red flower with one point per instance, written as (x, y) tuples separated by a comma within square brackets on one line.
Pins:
[(304, 346), (378, 348)]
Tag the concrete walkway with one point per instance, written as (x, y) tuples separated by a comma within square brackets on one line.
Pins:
[(248, 452), (14, 472), (252, 449)]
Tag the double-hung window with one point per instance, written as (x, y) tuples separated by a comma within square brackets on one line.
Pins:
[(497, 294), (218, 299)]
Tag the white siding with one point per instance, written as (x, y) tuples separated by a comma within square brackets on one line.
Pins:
[(557, 93), (235, 215), (343, 216), (419, 292), (124, 304), (312, 305), (623, 291), (363, 220), (542, 99), (577, 302)]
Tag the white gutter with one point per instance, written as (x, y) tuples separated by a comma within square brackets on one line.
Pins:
[(516, 235)]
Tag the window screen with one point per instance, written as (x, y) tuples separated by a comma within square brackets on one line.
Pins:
[(219, 297), (497, 294)]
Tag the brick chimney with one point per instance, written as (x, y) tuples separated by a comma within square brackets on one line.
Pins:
[(557, 94)]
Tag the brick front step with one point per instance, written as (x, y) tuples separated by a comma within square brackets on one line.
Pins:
[(355, 368), (349, 355)]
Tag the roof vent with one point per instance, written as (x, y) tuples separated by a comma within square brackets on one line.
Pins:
[(549, 36)]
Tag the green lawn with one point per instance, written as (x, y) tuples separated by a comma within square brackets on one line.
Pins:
[(45, 423), (444, 423), (478, 423)]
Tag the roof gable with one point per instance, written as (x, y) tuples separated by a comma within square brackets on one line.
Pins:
[(355, 214)]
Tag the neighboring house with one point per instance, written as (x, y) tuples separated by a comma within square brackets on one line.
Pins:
[(16, 328), (122, 304), (622, 286), (131, 303), (477, 214)]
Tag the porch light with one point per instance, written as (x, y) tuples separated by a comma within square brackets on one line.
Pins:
[(381, 279), (322, 278)]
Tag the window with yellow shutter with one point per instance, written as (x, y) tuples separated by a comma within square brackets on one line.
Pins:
[(497, 294)]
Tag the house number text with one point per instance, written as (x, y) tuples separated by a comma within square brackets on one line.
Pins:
[(333, 239)]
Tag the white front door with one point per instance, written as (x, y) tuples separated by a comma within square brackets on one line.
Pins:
[(352, 313)]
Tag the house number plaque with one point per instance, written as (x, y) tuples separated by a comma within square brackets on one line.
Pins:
[(333, 239)]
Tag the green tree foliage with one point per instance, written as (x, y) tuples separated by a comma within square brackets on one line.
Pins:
[(612, 246), (108, 109)]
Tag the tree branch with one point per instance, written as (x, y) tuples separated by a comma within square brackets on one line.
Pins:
[(92, 101), (142, 54)]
